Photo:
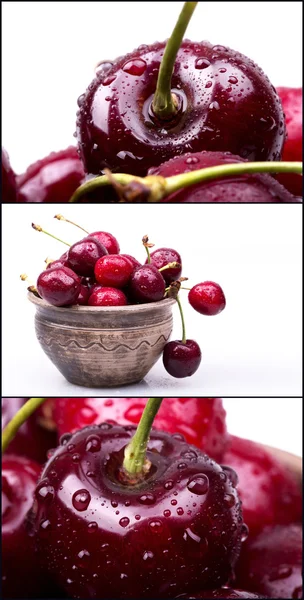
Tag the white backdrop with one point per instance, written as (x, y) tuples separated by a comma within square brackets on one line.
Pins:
[(50, 49), (253, 348)]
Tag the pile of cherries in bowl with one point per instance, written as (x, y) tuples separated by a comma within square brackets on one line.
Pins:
[(210, 515), (167, 110)]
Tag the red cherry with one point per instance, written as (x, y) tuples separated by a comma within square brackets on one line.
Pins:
[(182, 359), (113, 270), (83, 295), (84, 254), (107, 240), (207, 298), (269, 493), (146, 541), (147, 284), (57, 263), (52, 179), (292, 100), (59, 286), (8, 179), (107, 296), (162, 257)]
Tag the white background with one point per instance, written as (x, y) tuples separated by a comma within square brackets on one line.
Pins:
[(252, 348), (50, 50)]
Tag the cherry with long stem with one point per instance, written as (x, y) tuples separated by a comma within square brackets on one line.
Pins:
[(39, 228)]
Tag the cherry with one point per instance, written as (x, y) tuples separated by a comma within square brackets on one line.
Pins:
[(107, 296), (8, 179), (113, 270), (59, 286), (269, 493), (52, 179), (57, 263), (83, 295), (161, 257), (207, 298), (292, 100), (220, 593), (178, 527), (84, 254), (133, 260), (146, 284), (32, 440), (271, 563), (107, 240), (182, 358)]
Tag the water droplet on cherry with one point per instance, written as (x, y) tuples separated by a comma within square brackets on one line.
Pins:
[(199, 485), (81, 500)]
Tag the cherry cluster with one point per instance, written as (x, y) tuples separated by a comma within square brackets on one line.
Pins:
[(94, 273), (171, 109), (82, 521)]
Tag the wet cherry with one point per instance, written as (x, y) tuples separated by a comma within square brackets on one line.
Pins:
[(107, 296), (83, 255), (163, 256), (292, 100), (182, 358), (113, 270), (107, 240), (207, 298), (59, 286), (146, 284), (8, 179)]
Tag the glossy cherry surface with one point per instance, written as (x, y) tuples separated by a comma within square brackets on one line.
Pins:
[(271, 563), (52, 179), (182, 359), (201, 420), (146, 284), (292, 100), (220, 593), (207, 298), (257, 187), (269, 492), (59, 286), (57, 263), (179, 529), (107, 296), (8, 179), (83, 295), (107, 240), (226, 103), (113, 270), (161, 257), (84, 254)]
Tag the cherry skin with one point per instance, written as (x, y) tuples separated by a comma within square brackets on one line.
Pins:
[(220, 593), (113, 270), (269, 492), (257, 187), (59, 286), (84, 254), (133, 260), (207, 298), (180, 528), (107, 296), (161, 257), (292, 100), (271, 563), (201, 420), (52, 179), (83, 295), (107, 240), (182, 359), (226, 103), (8, 179), (57, 263), (146, 284)]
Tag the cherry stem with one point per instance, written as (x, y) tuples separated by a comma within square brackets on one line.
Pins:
[(38, 228), (164, 103), (184, 339), (62, 218), (135, 462), (18, 419), (171, 265), (160, 187), (148, 255)]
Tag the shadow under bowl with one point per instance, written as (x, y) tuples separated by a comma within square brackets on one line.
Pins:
[(103, 346)]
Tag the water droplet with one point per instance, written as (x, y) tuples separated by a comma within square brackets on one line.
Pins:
[(219, 48), (81, 100), (123, 576), (222, 70), (70, 447), (46, 524), (190, 454), (124, 522), (92, 527), (180, 511), (214, 105), (103, 67), (268, 123), (190, 535), (105, 426), (81, 500), (83, 554), (208, 84), (232, 79), (69, 581), (45, 492), (174, 502), (282, 572), (148, 555), (108, 80), (76, 457), (169, 485), (65, 439), (244, 533), (136, 66), (199, 485), (182, 466), (93, 444), (147, 499), (231, 474), (137, 517), (179, 437), (202, 63), (156, 526), (229, 500), (105, 546), (167, 513)]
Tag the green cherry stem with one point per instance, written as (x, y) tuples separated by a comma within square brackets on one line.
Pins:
[(62, 218), (164, 103), (135, 463), (18, 419), (38, 228), (184, 339), (171, 265)]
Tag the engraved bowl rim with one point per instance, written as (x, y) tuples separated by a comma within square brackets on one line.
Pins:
[(131, 308)]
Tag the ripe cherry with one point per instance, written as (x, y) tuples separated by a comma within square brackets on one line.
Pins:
[(8, 179), (83, 295), (107, 240), (146, 284), (182, 358), (57, 263), (107, 296), (84, 254), (113, 270), (207, 298), (59, 286), (292, 100), (163, 256)]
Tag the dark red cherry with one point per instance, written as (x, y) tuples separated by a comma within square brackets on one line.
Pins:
[(52, 179), (179, 529), (57, 263), (271, 563), (257, 187), (226, 103), (84, 254), (32, 440), (292, 100), (59, 286), (207, 298), (182, 359), (83, 295), (146, 284), (220, 593), (107, 296), (113, 270), (107, 240), (163, 256), (269, 492), (8, 179)]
